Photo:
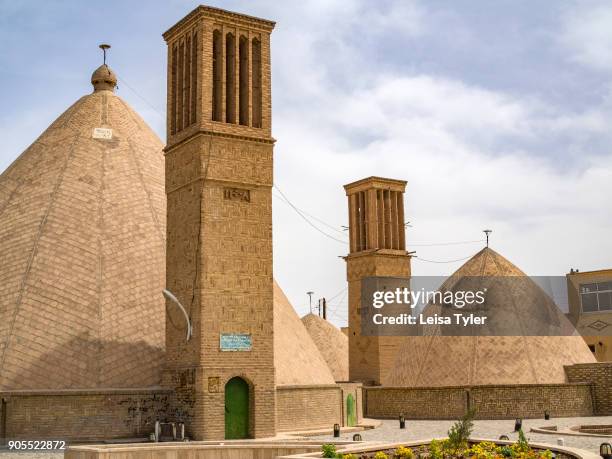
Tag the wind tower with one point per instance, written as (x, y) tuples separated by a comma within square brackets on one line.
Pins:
[(219, 237), (377, 249)]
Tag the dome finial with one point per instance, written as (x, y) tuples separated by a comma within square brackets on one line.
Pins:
[(104, 47), (487, 232), (103, 77)]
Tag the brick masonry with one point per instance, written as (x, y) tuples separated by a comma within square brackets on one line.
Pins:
[(219, 232), (600, 376), (82, 415), (490, 402), (308, 407)]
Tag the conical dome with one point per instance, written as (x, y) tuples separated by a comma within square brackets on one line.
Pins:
[(434, 360), (82, 244), (296, 357), (82, 238), (332, 344)]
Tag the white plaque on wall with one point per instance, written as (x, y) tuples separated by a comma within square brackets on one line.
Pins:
[(102, 133)]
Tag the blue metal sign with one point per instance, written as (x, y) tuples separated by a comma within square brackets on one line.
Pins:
[(235, 342)]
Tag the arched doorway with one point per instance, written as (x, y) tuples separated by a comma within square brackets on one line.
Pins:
[(236, 409), (351, 412)]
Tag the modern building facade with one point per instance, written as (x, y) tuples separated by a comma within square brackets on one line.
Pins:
[(590, 309)]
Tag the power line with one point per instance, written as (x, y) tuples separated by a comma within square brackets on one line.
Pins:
[(141, 97), (337, 295), (442, 261), (307, 220), (432, 244), (313, 216)]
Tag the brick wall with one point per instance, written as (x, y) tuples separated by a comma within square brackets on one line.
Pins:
[(414, 403), (83, 415), (490, 402), (308, 407), (531, 401), (600, 376)]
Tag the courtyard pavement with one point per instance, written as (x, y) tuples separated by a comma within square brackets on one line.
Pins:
[(389, 431), (419, 430)]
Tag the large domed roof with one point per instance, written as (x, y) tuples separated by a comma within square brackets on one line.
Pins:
[(332, 344), (434, 360), (82, 238), (296, 357)]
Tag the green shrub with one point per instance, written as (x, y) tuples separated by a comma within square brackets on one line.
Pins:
[(522, 445), (349, 456), (329, 450), (380, 455), (436, 448), (404, 453), (459, 434)]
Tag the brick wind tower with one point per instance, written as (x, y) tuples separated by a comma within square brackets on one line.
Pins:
[(377, 249), (219, 225)]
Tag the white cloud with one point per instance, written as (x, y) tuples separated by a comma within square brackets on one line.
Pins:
[(442, 136), (587, 33)]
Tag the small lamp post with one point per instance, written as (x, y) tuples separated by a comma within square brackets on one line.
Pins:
[(518, 425), (605, 450), (336, 430), (402, 421)]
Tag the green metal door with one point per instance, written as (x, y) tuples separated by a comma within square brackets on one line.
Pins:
[(351, 415), (236, 409)]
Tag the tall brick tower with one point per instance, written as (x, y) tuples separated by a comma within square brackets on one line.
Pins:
[(219, 233), (377, 249)]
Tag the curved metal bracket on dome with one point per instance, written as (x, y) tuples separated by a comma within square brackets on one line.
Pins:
[(168, 294)]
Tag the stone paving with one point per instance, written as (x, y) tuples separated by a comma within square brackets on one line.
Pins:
[(419, 430)]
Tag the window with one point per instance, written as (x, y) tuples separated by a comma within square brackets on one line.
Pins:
[(184, 82), (243, 79), (596, 296), (256, 82), (217, 95), (230, 78), (194, 77), (592, 348), (174, 91)]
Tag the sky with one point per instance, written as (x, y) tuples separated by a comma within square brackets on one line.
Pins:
[(498, 114)]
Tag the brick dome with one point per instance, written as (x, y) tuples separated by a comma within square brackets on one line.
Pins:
[(434, 360), (332, 344), (82, 237), (296, 357)]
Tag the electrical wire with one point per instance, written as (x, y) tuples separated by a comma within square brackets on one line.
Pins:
[(433, 244), (441, 261), (307, 220), (333, 228), (304, 215), (337, 294), (156, 110)]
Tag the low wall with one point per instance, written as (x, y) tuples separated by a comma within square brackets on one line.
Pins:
[(414, 403), (236, 449), (490, 402), (600, 376), (531, 401), (308, 407), (82, 414)]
